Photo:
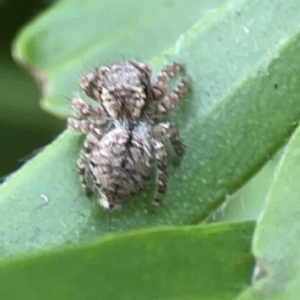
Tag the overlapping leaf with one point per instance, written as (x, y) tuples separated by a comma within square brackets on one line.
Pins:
[(176, 263), (276, 242), (243, 104)]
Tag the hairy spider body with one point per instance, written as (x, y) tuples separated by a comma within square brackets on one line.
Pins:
[(122, 139), (122, 90), (121, 163)]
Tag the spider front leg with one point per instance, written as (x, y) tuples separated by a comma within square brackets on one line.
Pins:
[(163, 78), (162, 179), (85, 110), (88, 83), (167, 130), (82, 126), (84, 157), (91, 82), (169, 101)]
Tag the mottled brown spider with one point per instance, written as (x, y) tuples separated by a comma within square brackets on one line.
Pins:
[(121, 137)]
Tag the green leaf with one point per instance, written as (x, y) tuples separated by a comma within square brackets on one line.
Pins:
[(167, 263), (72, 38), (247, 203), (276, 241), (15, 108), (23, 126), (243, 105)]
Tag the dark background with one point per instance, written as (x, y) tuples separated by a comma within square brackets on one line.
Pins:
[(24, 127)]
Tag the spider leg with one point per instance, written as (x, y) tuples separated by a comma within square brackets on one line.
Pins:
[(84, 157), (87, 83), (162, 179), (82, 126), (85, 110), (82, 167), (162, 80), (169, 101), (167, 130)]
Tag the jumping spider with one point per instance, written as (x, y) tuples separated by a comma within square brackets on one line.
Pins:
[(121, 136)]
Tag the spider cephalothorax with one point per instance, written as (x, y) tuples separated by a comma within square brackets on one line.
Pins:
[(122, 139), (122, 89)]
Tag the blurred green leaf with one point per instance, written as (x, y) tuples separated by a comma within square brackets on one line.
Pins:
[(247, 202), (24, 127), (276, 241), (72, 38), (209, 263), (243, 105)]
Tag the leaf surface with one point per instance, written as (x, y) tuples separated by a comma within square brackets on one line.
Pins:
[(276, 243), (247, 202), (243, 104), (166, 263)]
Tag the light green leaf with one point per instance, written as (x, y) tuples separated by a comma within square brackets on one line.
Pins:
[(243, 104), (72, 38), (247, 203), (276, 241), (209, 263)]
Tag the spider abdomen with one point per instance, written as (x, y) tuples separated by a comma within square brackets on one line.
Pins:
[(121, 164)]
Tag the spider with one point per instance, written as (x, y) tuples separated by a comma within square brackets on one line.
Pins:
[(122, 139)]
